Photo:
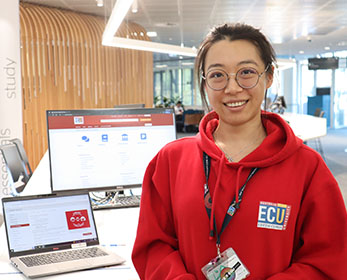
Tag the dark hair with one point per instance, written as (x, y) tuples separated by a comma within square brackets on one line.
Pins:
[(232, 32)]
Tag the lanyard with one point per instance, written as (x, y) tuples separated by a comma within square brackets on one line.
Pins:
[(233, 205)]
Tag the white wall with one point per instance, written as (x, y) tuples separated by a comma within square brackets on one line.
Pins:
[(10, 83)]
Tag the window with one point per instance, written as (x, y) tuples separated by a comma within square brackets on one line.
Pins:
[(176, 82), (323, 78)]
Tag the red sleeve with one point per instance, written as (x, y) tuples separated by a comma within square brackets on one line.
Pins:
[(321, 232), (155, 254)]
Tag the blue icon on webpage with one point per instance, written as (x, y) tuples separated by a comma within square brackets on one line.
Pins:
[(125, 137), (85, 138), (143, 136), (104, 138)]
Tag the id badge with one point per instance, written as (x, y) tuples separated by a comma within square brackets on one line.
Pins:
[(227, 267)]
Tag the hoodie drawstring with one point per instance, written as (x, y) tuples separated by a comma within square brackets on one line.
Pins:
[(239, 170), (219, 175)]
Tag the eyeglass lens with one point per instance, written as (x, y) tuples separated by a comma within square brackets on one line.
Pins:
[(245, 77)]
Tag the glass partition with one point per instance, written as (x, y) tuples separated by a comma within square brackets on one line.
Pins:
[(307, 86), (340, 98)]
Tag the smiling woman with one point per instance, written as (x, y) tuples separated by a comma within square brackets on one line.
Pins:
[(237, 97), (244, 196)]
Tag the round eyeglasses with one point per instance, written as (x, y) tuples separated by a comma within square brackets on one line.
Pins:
[(248, 77)]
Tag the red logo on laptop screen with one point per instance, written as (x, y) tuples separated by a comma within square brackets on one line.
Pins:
[(77, 219)]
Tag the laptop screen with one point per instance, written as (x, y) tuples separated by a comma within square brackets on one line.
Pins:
[(48, 223)]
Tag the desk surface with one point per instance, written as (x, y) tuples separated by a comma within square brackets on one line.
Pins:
[(116, 229), (306, 127)]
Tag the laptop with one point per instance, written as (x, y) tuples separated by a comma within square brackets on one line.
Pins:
[(52, 234)]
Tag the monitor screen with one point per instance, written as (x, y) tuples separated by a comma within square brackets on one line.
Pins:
[(102, 149), (323, 63)]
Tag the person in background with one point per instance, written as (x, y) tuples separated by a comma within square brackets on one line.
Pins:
[(179, 110), (244, 197)]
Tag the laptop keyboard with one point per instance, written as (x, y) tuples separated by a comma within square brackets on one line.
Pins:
[(63, 256), (120, 202)]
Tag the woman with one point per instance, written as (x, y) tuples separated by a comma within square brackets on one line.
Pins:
[(245, 195)]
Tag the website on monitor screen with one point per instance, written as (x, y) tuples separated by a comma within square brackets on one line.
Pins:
[(98, 151)]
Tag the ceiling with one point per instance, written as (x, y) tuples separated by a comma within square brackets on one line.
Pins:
[(296, 28)]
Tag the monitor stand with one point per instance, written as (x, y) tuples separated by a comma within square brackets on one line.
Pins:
[(115, 199)]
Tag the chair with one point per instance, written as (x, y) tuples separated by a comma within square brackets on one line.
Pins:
[(16, 166), (191, 120), (318, 112), (22, 154), (279, 105)]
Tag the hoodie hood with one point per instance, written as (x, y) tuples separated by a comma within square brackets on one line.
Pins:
[(279, 143)]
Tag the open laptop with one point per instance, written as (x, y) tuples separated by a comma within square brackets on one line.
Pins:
[(58, 226)]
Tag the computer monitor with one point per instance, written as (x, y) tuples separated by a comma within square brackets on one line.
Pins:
[(105, 149)]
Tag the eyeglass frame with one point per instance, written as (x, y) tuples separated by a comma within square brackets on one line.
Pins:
[(235, 74)]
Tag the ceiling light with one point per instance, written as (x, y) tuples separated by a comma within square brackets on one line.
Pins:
[(119, 12), (149, 46), (100, 3), (285, 63), (277, 40), (152, 34), (304, 31), (301, 52), (134, 7), (187, 63), (327, 48)]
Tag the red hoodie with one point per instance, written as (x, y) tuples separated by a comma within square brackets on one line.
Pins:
[(173, 232)]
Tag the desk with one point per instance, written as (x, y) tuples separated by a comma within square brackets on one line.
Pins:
[(116, 226), (306, 127)]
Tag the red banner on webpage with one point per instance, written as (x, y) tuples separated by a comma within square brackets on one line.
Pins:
[(21, 225), (77, 219), (95, 121)]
